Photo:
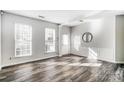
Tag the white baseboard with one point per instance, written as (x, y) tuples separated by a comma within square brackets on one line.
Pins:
[(27, 61), (120, 62), (108, 60)]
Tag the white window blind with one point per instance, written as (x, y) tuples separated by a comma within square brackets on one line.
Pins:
[(49, 40), (23, 40)]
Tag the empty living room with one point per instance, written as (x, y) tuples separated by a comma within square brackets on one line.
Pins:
[(61, 46)]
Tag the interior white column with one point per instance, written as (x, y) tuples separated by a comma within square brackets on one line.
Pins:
[(60, 29)]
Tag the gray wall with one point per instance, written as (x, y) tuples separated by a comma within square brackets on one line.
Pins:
[(103, 44), (120, 38), (38, 26)]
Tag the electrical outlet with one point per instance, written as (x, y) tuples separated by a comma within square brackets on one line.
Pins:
[(10, 58)]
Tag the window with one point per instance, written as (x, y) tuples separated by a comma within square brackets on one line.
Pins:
[(23, 40), (49, 40), (65, 39)]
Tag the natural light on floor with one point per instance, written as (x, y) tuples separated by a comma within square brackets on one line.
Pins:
[(92, 54)]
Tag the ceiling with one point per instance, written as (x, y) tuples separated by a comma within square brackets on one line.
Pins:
[(64, 17)]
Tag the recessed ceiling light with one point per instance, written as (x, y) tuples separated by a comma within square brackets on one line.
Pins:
[(41, 16), (81, 20)]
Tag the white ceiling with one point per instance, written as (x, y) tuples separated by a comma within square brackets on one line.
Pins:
[(64, 17)]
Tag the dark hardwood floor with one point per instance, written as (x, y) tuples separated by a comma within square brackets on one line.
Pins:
[(64, 69)]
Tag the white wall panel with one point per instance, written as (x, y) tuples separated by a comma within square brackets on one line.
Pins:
[(120, 38), (107, 54)]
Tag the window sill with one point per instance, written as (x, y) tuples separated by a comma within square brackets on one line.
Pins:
[(49, 52)]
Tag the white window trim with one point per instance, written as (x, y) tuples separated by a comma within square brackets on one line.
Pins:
[(48, 52), (19, 56)]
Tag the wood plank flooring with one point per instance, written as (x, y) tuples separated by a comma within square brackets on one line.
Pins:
[(64, 69)]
